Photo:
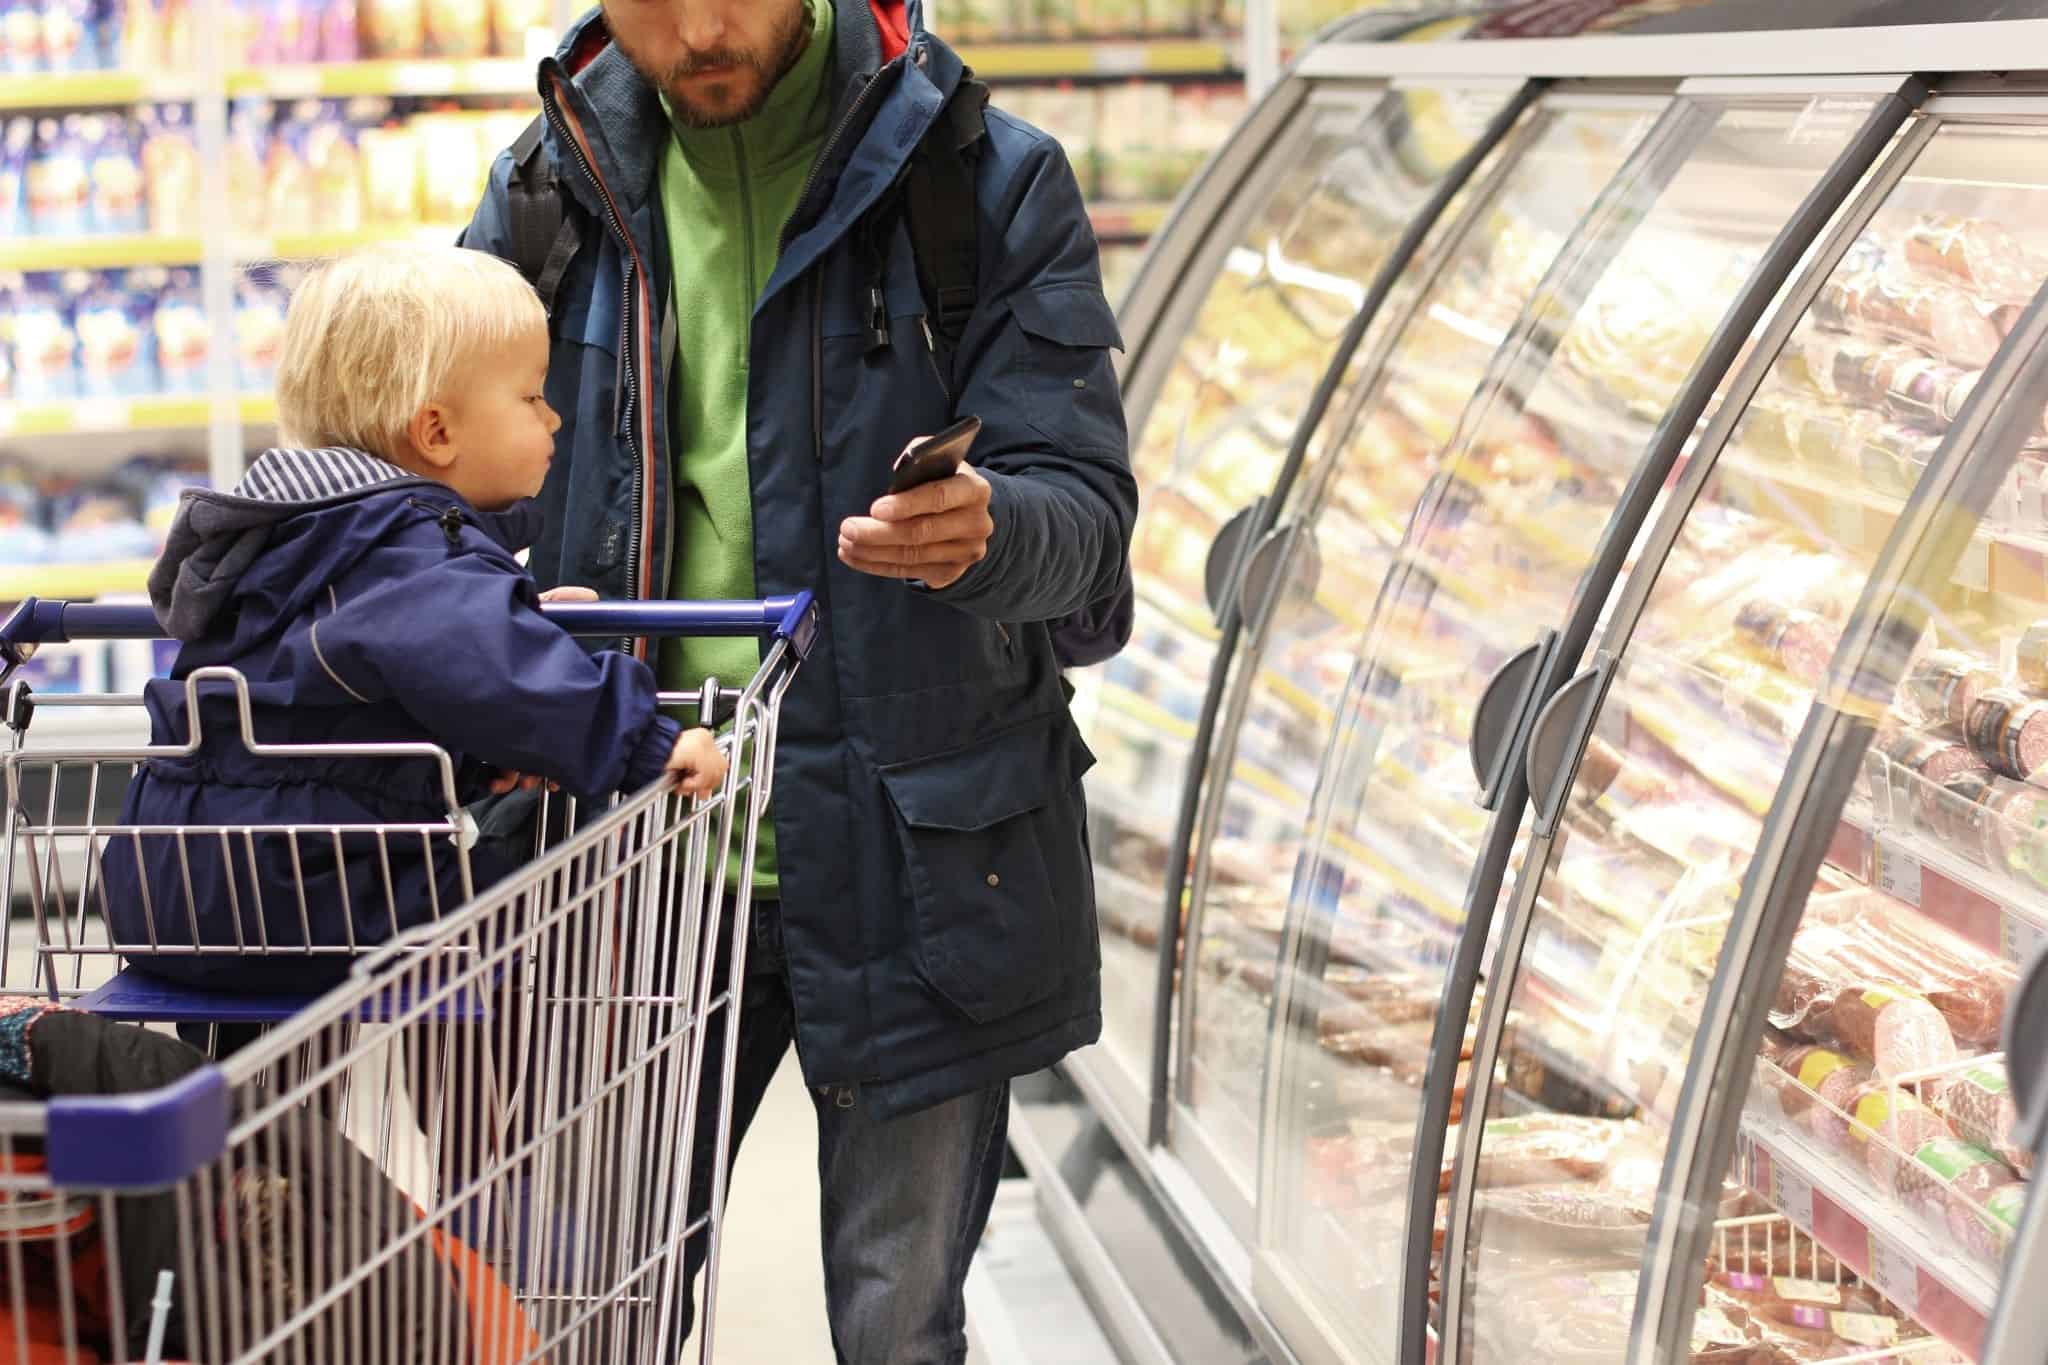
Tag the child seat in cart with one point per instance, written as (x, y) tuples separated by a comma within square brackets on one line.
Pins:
[(473, 1149)]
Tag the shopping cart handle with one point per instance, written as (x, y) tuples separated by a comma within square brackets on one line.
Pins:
[(43, 621)]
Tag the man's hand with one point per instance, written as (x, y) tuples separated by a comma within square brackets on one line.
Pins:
[(933, 533)]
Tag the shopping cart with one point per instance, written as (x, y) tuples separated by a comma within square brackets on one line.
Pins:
[(474, 1149)]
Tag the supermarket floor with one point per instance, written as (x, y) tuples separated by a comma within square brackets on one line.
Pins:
[(771, 1302)]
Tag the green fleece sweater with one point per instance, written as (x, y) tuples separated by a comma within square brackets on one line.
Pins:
[(726, 194)]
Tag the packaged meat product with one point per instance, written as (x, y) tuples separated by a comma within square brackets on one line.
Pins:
[(2009, 731), (2031, 661), (1942, 317), (1799, 642), (1825, 1085), (1781, 1298), (1922, 764), (1974, 252), (1948, 1181), (1946, 683), (2004, 1207), (1978, 1104), (1539, 1149), (1889, 1123), (1807, 985), (1899, 1032), (1969, 988)]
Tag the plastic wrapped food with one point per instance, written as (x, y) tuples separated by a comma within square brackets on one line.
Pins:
[(2008, 730), (1978, 1104), (2031, 660), (1899, 1032), (1797, 641), (1942, 317), (1889, 1123), (1969, 989), (1925, 763), (1834, 1080), (1541, 1149), (1949, 1181), (1975, 252), (1945, 684)]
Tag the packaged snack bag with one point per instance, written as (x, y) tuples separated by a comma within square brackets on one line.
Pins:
[(458, 28), (259, 329), (181, 334), (248, 153), (21, 37), (514, 22), (339, 41), (67, 36), (170, 169), (389, 157), (45, 346), (288, 179), (392, 28), (118, 201), (23, 539), (59, 180), (17, 141), (116, 326), (335, 170)]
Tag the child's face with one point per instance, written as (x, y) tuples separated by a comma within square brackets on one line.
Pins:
[(501, 431)]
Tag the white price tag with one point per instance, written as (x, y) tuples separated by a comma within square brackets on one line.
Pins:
[(2018, 938), (1898, 874), (1792, 1194), (424, 78), (1118, 59), (1973, 570), (101, 414), (1896, 1275), (292, 82)]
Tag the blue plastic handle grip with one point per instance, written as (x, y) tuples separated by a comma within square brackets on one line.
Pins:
[(40, 621)]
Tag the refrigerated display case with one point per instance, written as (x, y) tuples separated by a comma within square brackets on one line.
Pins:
[(1609, 795)]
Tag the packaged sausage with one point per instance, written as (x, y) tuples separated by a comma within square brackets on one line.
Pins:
[(1974, 252), (1921, 764), (1799, 642), (1941, 317), (1978, 1104), (1889, 1123), (1899, 1032), (1948, 1181), (2009, 731), (1945, 684), (1834, 1080), (2031, 660), (1969, 988)]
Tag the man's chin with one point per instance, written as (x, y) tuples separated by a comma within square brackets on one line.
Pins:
[(716, 105)]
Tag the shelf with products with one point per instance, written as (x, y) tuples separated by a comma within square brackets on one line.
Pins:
[(414, 77), (166, 412), (18, 581), (124, 251), (1844, 1211), (39, 90)]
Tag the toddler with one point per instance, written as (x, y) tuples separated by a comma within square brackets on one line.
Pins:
[(363, 580)]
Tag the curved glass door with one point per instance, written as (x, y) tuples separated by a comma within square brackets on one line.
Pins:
[(1383, 457), (1349, 175), (1494, 553), (1626, 919)]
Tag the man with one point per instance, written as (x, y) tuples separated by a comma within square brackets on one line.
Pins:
[(740, 351)]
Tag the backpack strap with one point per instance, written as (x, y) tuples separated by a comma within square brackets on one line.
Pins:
[(939, 210), (543, 238)]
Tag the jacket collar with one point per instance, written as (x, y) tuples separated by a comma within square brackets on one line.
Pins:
[(619, 117)]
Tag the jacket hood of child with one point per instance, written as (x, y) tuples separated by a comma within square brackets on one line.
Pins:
[(217, 537)]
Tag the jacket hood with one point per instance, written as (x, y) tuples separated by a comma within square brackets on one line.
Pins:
[(628, 129), (217, 539)]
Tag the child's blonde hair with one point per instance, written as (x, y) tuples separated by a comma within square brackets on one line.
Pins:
[(374, 336)]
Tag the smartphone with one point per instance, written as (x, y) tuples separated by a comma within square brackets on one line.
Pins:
[(935, 457)]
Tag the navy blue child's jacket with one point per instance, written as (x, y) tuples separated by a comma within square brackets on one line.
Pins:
[(364, 605)]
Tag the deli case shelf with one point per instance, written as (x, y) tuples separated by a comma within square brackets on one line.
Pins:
[(1574, 814)]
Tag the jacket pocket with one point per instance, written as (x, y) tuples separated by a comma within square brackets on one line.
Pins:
[(1062, 355), (1002, 897)]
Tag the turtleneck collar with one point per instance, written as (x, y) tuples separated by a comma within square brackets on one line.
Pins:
[(789, 125)]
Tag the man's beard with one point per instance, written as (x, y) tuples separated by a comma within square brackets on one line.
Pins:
[(758, 72)]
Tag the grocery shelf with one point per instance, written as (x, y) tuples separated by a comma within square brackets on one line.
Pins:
[(73, 580), (337, 80), (1944, 887), (1052, 60), (89, 89), (162, 413), (111, 252), (1127, 222), (1839, 1208)]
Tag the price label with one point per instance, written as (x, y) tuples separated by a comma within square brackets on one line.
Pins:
[(423, 78), (1792, 1194), (1119, 59), (1973, 570), (292, 82), (1896, 1275), (1898, 874), (2019, 938)]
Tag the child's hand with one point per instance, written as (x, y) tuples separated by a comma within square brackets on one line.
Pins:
[(510, 780), (698, 763)]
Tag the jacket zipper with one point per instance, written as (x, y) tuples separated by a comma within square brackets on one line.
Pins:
[(634, 548), (818, 366)]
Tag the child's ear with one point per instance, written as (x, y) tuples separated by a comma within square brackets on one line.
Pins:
[(431, 439)]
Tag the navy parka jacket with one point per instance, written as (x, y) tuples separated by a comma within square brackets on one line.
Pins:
[(937, 899), (363, 605)]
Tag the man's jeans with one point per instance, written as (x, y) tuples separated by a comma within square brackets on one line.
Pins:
[(904, 1202)]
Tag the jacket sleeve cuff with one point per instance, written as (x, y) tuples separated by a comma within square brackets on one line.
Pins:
[(649, 758), (970, 585)]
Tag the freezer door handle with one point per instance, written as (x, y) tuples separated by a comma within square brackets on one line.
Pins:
[(1227, 554), (1286, 566), (1558, 740), (1505, 712), (2026, 1054)]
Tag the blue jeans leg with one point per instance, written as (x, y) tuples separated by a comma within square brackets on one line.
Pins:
[(904, 1203)]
